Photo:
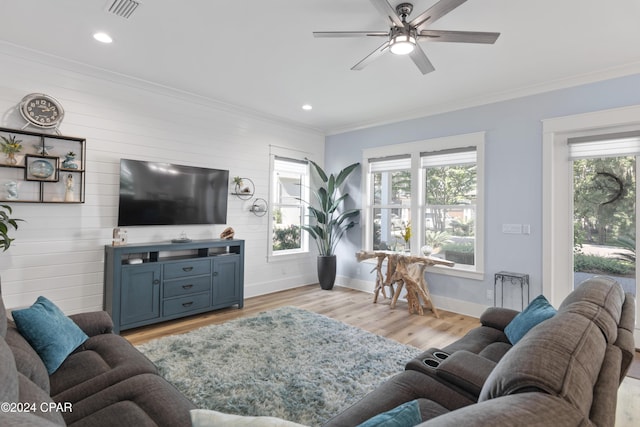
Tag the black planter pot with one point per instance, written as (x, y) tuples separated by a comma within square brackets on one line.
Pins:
[(326, 271)]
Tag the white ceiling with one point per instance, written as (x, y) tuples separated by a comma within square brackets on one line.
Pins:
[(261, 55)]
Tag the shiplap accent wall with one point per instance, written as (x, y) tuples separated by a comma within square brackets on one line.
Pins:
[(58, 251)]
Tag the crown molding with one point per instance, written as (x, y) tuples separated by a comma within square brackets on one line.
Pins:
[(492, 98), (43, 58)]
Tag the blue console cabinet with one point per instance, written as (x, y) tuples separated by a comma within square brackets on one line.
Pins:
[(155, 282)]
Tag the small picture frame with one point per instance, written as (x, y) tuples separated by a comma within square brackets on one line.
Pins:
[(41, 168)]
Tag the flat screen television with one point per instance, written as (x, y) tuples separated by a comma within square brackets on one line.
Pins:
[(153, 193)]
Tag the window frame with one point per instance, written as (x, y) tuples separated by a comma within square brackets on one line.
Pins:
[(415, 150), (305, 193)]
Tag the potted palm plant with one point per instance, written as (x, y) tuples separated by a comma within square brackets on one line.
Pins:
[(329, 224), (6, 223)]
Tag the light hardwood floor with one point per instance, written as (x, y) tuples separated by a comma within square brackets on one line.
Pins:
[(357, 309)]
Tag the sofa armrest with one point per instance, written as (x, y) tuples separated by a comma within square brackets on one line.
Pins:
[(94, 322), (466, 370), (498, 317)]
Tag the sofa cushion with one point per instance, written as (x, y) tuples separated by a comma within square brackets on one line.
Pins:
[(561, 356), (476, 340), (407, 414), (603, 409), (51, 334), (625, 339), (520, 410), (141, 400), (3, 318), (536, 312), (8, 374), (466, 370), (495, 351), (100, 362), (28, 362), (22, 419), (38, 401), (599, 299)]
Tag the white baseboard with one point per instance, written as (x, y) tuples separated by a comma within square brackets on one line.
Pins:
[(444, 303), (257, 289)]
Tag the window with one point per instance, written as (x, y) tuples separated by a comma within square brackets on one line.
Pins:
[(289, 189), (426, 197), (450, 204), (391, 208)]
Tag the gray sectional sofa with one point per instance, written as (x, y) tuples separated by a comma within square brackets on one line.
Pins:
[(104, 382), (564, 372)]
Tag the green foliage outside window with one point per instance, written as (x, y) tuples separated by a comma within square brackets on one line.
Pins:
[(600, 217), (450, 186), (286, 238), (604, 215)]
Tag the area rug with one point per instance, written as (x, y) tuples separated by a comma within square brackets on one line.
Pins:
[(288, 363)]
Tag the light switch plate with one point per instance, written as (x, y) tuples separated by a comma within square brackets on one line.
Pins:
[(512, 228)]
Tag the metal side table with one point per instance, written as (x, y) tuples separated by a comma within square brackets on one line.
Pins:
[(515, 279)]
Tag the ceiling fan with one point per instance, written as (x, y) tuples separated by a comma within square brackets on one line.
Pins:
[(403, 36)]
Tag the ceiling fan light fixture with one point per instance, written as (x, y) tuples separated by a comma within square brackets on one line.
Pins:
[(402, 44)]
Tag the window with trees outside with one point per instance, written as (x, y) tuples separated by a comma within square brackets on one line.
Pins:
[(289, 190), (425, 198)]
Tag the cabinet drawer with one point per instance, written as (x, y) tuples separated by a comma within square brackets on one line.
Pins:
[(195, 267), (185, 304), (186, 286)]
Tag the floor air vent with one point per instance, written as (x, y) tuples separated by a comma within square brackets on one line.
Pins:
[(123, 8)]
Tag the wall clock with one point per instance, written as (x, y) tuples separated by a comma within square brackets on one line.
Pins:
[(41, 110)]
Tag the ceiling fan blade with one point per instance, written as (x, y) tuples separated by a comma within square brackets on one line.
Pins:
[(372, 56), (388, 12), (435, 12), (420, 59), (459, 36), (350, 34)]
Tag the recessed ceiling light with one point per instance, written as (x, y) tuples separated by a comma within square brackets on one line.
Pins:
[(307, 107), (103, 37)]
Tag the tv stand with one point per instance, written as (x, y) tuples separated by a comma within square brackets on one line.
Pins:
[(171, 280)]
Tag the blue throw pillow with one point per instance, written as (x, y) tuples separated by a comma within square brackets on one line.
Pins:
[(51, 334), (405, 415), (536, 312)]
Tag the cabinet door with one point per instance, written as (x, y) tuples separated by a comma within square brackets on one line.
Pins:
[(226, 281), (140, 297)]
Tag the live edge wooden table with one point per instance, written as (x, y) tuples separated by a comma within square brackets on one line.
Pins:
[(404, 271)]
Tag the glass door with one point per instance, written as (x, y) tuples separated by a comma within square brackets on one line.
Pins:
[(604, 217)]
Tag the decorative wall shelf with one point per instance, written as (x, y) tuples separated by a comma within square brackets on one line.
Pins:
[(43, 172), (244, 189), (259, 207)]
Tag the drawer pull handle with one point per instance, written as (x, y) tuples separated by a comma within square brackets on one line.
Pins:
[(187, 268), (187, 286), (156, 282), (187, 304)]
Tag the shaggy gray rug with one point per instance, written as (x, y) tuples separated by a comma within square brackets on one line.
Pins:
[(287, 363)]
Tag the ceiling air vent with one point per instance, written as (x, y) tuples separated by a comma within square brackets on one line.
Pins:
[(123, 8)]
